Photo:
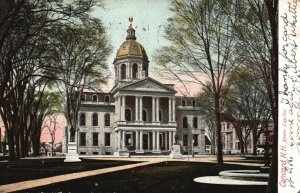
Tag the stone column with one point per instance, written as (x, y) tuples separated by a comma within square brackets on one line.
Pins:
[(136, 140), (123, 140), (127, 70), (166, 140), (173, 137), (170, 140), (157, 109), (136, 108), (153, 109), (153, 140), (157, 140), (141, 108), (173, 110), (123, 108), (119, 140), (141, 140)]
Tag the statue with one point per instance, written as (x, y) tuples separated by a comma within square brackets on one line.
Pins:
[(176, 139), (72, 134)]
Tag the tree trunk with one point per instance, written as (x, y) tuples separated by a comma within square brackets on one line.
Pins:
[(254, 143), (242, 146), (219, 136), (11, 144)]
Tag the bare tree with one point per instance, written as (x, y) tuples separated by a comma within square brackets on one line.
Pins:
[(51, 124), (202, 49), (23, 30), (80, 52)]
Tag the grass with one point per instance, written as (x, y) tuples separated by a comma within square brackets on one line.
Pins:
[(166, 177), (29, 169)]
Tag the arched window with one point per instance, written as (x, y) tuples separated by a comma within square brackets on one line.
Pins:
[(195, 122), (95, 119), (194, 103), (144, 115), (183, 102), (106, 98), (160, 115), (82, 119), (123, 71), (134, 70), (128, 115), (184, 122), (95, 98), (107, 119)]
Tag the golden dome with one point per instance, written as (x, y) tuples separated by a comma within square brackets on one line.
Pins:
[(131, 48)]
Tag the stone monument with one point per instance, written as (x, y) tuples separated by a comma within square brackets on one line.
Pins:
[(176, 154), (72, 155)]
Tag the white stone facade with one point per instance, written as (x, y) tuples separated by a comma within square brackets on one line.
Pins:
[(145, 115)]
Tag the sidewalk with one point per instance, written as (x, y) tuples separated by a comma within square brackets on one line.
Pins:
[(61, 178)]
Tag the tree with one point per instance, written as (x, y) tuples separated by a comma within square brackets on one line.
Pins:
[(249, 105), (24, 26), (80, 52), (259, 35), (50, 105), (50, 123), (202, 49)]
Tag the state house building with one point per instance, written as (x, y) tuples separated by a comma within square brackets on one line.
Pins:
[(138, 112)]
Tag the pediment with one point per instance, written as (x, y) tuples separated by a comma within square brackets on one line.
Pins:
[(148, 85)]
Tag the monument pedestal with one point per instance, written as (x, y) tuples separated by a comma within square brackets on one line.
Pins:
[(175, 154), (72, 155)]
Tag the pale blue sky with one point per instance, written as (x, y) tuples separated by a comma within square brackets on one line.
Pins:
[(149, 16)]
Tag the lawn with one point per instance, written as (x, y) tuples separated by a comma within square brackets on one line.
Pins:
[(29, 169), (166, 177)]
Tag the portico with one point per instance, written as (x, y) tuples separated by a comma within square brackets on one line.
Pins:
[(145, 140)]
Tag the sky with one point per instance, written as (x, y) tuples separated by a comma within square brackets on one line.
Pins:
[(148, 20)]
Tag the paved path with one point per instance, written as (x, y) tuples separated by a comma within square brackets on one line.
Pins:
[(145, 161), (61, 178)]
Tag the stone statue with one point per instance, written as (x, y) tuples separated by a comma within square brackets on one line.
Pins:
[(72, 134), (176, 139)]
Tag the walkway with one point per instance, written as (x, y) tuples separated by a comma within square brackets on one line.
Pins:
[(145, 161), (61, 178)]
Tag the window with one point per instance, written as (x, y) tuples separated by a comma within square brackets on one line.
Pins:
[(95, 139), (195, 122), (128, 115), (106, 98), (195, 138), (82, 119), (107, 119), (95, 119), (82, 139), (144, 115), (184, 122), (123, 71), (194, 103), (107, 139), (83, 97), (185, 140), (183, 102), (160, 115), (95, 98), (134, 70)]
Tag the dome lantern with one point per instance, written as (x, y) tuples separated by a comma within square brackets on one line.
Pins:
[(130, 31)]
